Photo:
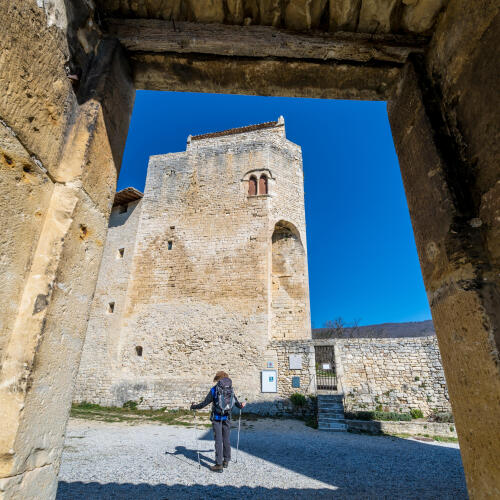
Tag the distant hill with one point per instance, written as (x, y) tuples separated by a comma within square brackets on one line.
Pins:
[(382, 331)]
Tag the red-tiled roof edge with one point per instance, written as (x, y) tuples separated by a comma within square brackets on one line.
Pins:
[(126, 196), (239, 130)]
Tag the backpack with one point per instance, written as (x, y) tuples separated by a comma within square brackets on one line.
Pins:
[(223, 397)]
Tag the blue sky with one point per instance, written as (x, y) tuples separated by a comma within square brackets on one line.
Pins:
[(363, 263)]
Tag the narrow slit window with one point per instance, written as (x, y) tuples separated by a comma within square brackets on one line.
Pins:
[(169, 244), (263, 184), (138, 350), (252, 186), (111, 307), (121, 253)]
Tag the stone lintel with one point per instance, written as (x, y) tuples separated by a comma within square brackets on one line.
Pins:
[(270, 77), (157, 36)]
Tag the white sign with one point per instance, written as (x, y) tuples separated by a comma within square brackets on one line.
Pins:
[(269, 381), (295, 361), (326, 366)]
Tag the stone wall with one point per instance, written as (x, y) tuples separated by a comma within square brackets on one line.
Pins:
[(306, 374), (102, 339), (414, 428), (391, 374), (200, 288)]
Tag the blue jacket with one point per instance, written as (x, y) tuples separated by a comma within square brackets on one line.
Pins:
[(211, 399)]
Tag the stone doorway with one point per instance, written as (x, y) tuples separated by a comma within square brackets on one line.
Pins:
[(64, 118)]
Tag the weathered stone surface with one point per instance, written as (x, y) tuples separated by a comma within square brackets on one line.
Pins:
[(397, 374), (36, 98), (344, 15), (414, 428), (144, 36), (470, 88), (36, 399), (270, 12), (24, 197), (206, 11), (375, 16), (304, 14), (263, 77), (61, 237), (419, 15), (94, 159), (235, 11), (457, 270)]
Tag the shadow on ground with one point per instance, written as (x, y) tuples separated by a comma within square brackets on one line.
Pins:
[(128, 491), (348, 465)]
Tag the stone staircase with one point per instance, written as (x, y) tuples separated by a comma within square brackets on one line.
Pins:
[(331, 412)]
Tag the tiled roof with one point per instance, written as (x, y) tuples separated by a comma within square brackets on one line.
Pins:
[(239, 130), (126, 196)]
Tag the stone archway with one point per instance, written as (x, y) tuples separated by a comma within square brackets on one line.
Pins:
[(289, 283), (68, 90)]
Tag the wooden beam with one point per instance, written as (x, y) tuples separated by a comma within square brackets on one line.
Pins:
[(267, 77), (156, 36)]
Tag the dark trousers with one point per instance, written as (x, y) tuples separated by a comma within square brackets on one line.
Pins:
[(222, 431)]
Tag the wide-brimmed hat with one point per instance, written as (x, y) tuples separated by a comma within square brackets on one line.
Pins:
[(220, 374)]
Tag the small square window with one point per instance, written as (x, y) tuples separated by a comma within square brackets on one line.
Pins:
[(170, 245), (111, 307), (124, 208), (138, 350), (121, 253)]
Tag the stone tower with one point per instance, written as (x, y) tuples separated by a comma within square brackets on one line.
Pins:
[(207, 271)]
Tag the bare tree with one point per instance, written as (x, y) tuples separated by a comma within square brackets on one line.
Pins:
[(339, 329)]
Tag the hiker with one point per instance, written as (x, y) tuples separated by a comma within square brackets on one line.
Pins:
[(223, 399)]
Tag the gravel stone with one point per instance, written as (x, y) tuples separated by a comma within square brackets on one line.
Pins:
[(277, 459)]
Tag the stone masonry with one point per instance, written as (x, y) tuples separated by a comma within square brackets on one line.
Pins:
[(391, 374), (68, 73), (204, 273)]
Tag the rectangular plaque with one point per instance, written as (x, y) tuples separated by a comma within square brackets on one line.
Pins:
[(295, 382), (270, 364), (269, 381), (295, 361), (326, 366)]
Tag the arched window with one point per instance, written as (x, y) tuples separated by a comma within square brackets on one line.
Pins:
[(252, 186), (263, 184)]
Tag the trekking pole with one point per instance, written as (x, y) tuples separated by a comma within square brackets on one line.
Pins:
[(197, 440), (238, 440)]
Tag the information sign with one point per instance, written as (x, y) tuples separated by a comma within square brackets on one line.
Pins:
[(269, 381)]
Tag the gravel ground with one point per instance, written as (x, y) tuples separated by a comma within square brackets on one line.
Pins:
[(277, 459)]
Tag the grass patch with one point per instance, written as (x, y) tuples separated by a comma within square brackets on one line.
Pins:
[(441, 439), (444, 439), (131, 414)]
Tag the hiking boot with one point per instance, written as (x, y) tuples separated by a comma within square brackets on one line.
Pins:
[(217, 468), (225, 464)]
